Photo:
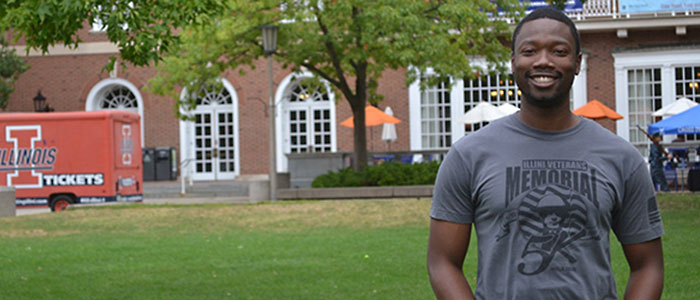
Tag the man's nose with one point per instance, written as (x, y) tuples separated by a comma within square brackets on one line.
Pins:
[(542, 59)]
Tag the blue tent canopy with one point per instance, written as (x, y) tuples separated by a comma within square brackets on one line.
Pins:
[(687, 122)]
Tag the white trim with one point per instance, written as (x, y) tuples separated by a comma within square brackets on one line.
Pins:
[(666, 59), (579, 86), (91, 102), (82, 49), (187, 136), (591, 25), (281, 95), (414, 114)]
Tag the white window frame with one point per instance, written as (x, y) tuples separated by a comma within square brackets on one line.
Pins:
[(457, 101), (666, 60), (281, 96), (187, 140)]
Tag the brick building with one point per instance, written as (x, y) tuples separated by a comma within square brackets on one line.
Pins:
[(634, 63)]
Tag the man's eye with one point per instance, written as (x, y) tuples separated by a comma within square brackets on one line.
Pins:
[(527, 51), (560, 52)]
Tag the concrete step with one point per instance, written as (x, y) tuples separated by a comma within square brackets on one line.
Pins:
[(213, 189)]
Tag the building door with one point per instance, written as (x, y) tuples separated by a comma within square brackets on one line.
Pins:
[(214, 146), (211, 139)]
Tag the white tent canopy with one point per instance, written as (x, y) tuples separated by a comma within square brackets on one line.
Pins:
[(508, 108), (674, 108), (483, 112)]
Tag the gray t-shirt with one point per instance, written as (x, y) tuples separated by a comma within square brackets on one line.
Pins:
[(543, 203)]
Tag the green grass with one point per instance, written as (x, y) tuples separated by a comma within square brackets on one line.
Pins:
[(285, 250)]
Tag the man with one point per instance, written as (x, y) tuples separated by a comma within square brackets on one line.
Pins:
[(656, 163), (543, 188)]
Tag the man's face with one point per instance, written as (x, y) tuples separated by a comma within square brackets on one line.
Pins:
[(545, 62)]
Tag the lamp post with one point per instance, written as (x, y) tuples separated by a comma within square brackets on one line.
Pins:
[(269, 36), (40, 103)]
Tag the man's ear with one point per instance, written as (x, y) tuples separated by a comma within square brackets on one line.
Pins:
[(512, 61)]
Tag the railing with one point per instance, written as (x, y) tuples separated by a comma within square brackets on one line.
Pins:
[(611, 9), (598, 8)]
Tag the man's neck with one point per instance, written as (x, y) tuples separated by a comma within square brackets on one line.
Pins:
[(555, 118)]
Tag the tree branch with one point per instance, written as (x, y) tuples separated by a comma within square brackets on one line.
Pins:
[(342, 81), (343, 87)]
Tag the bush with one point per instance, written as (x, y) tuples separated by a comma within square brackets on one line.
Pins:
[(386, 174)]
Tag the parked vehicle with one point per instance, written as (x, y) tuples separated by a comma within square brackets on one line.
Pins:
[(57, 159)]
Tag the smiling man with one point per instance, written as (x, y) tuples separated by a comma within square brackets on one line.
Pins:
[(543, 188)]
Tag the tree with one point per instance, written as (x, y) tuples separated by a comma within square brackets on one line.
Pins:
[(11, 66), (347, 43)]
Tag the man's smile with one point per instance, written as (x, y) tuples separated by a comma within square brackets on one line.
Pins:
[(543, 80)]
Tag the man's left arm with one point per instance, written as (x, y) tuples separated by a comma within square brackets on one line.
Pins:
[(646, 264)]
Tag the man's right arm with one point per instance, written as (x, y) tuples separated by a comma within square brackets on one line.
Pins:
[(447, 247)]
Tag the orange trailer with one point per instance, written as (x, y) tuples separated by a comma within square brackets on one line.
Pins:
[(56, 159)]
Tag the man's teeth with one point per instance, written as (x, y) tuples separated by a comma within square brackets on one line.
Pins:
[(543, 79)]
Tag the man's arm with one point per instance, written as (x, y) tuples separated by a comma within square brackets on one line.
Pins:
[(447, 247), (646, 262)]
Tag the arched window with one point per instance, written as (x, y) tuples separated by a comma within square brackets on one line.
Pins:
[(116, 93)]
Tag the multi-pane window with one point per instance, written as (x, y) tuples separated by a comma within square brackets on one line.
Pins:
[(644, 94), (214, 96), (436, 117), (298, 131), (322, 130), (309, 119), (203, 138), (118, 97), (688, 86), (495, 89), (227, 147)]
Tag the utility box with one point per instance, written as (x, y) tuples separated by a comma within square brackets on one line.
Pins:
[(149, 164), (166, 163), (8, 207)]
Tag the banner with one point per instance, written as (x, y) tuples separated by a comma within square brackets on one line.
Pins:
[(650, 6)]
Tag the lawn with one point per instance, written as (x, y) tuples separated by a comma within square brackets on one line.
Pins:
[(285, 250)]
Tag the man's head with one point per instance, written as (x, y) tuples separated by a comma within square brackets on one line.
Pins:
[(656, 136), (549, 13), (546, 57)]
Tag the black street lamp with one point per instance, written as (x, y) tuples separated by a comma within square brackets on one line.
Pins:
[(269, 36), (40, 103)]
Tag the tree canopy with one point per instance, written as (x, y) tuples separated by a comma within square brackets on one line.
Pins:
[(346, 43), (11, 66)]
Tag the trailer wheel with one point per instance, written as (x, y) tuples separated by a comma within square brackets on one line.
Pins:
[(61, 202)]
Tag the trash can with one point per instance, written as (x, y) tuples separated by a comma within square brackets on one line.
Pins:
[(166, 165), (149, 164)]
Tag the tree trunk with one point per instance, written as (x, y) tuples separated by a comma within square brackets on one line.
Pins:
[(359, 133)]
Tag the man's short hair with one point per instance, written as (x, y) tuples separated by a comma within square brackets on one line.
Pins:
[(655, 135), (549, 13)]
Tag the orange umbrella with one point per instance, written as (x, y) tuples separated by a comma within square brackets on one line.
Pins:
[(373, 117), (596, 110)]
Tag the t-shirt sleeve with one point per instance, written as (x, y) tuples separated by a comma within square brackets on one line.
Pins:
[(452, 194), (637, 219)]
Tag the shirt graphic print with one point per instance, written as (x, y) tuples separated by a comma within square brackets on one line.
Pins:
[(551, 204)]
